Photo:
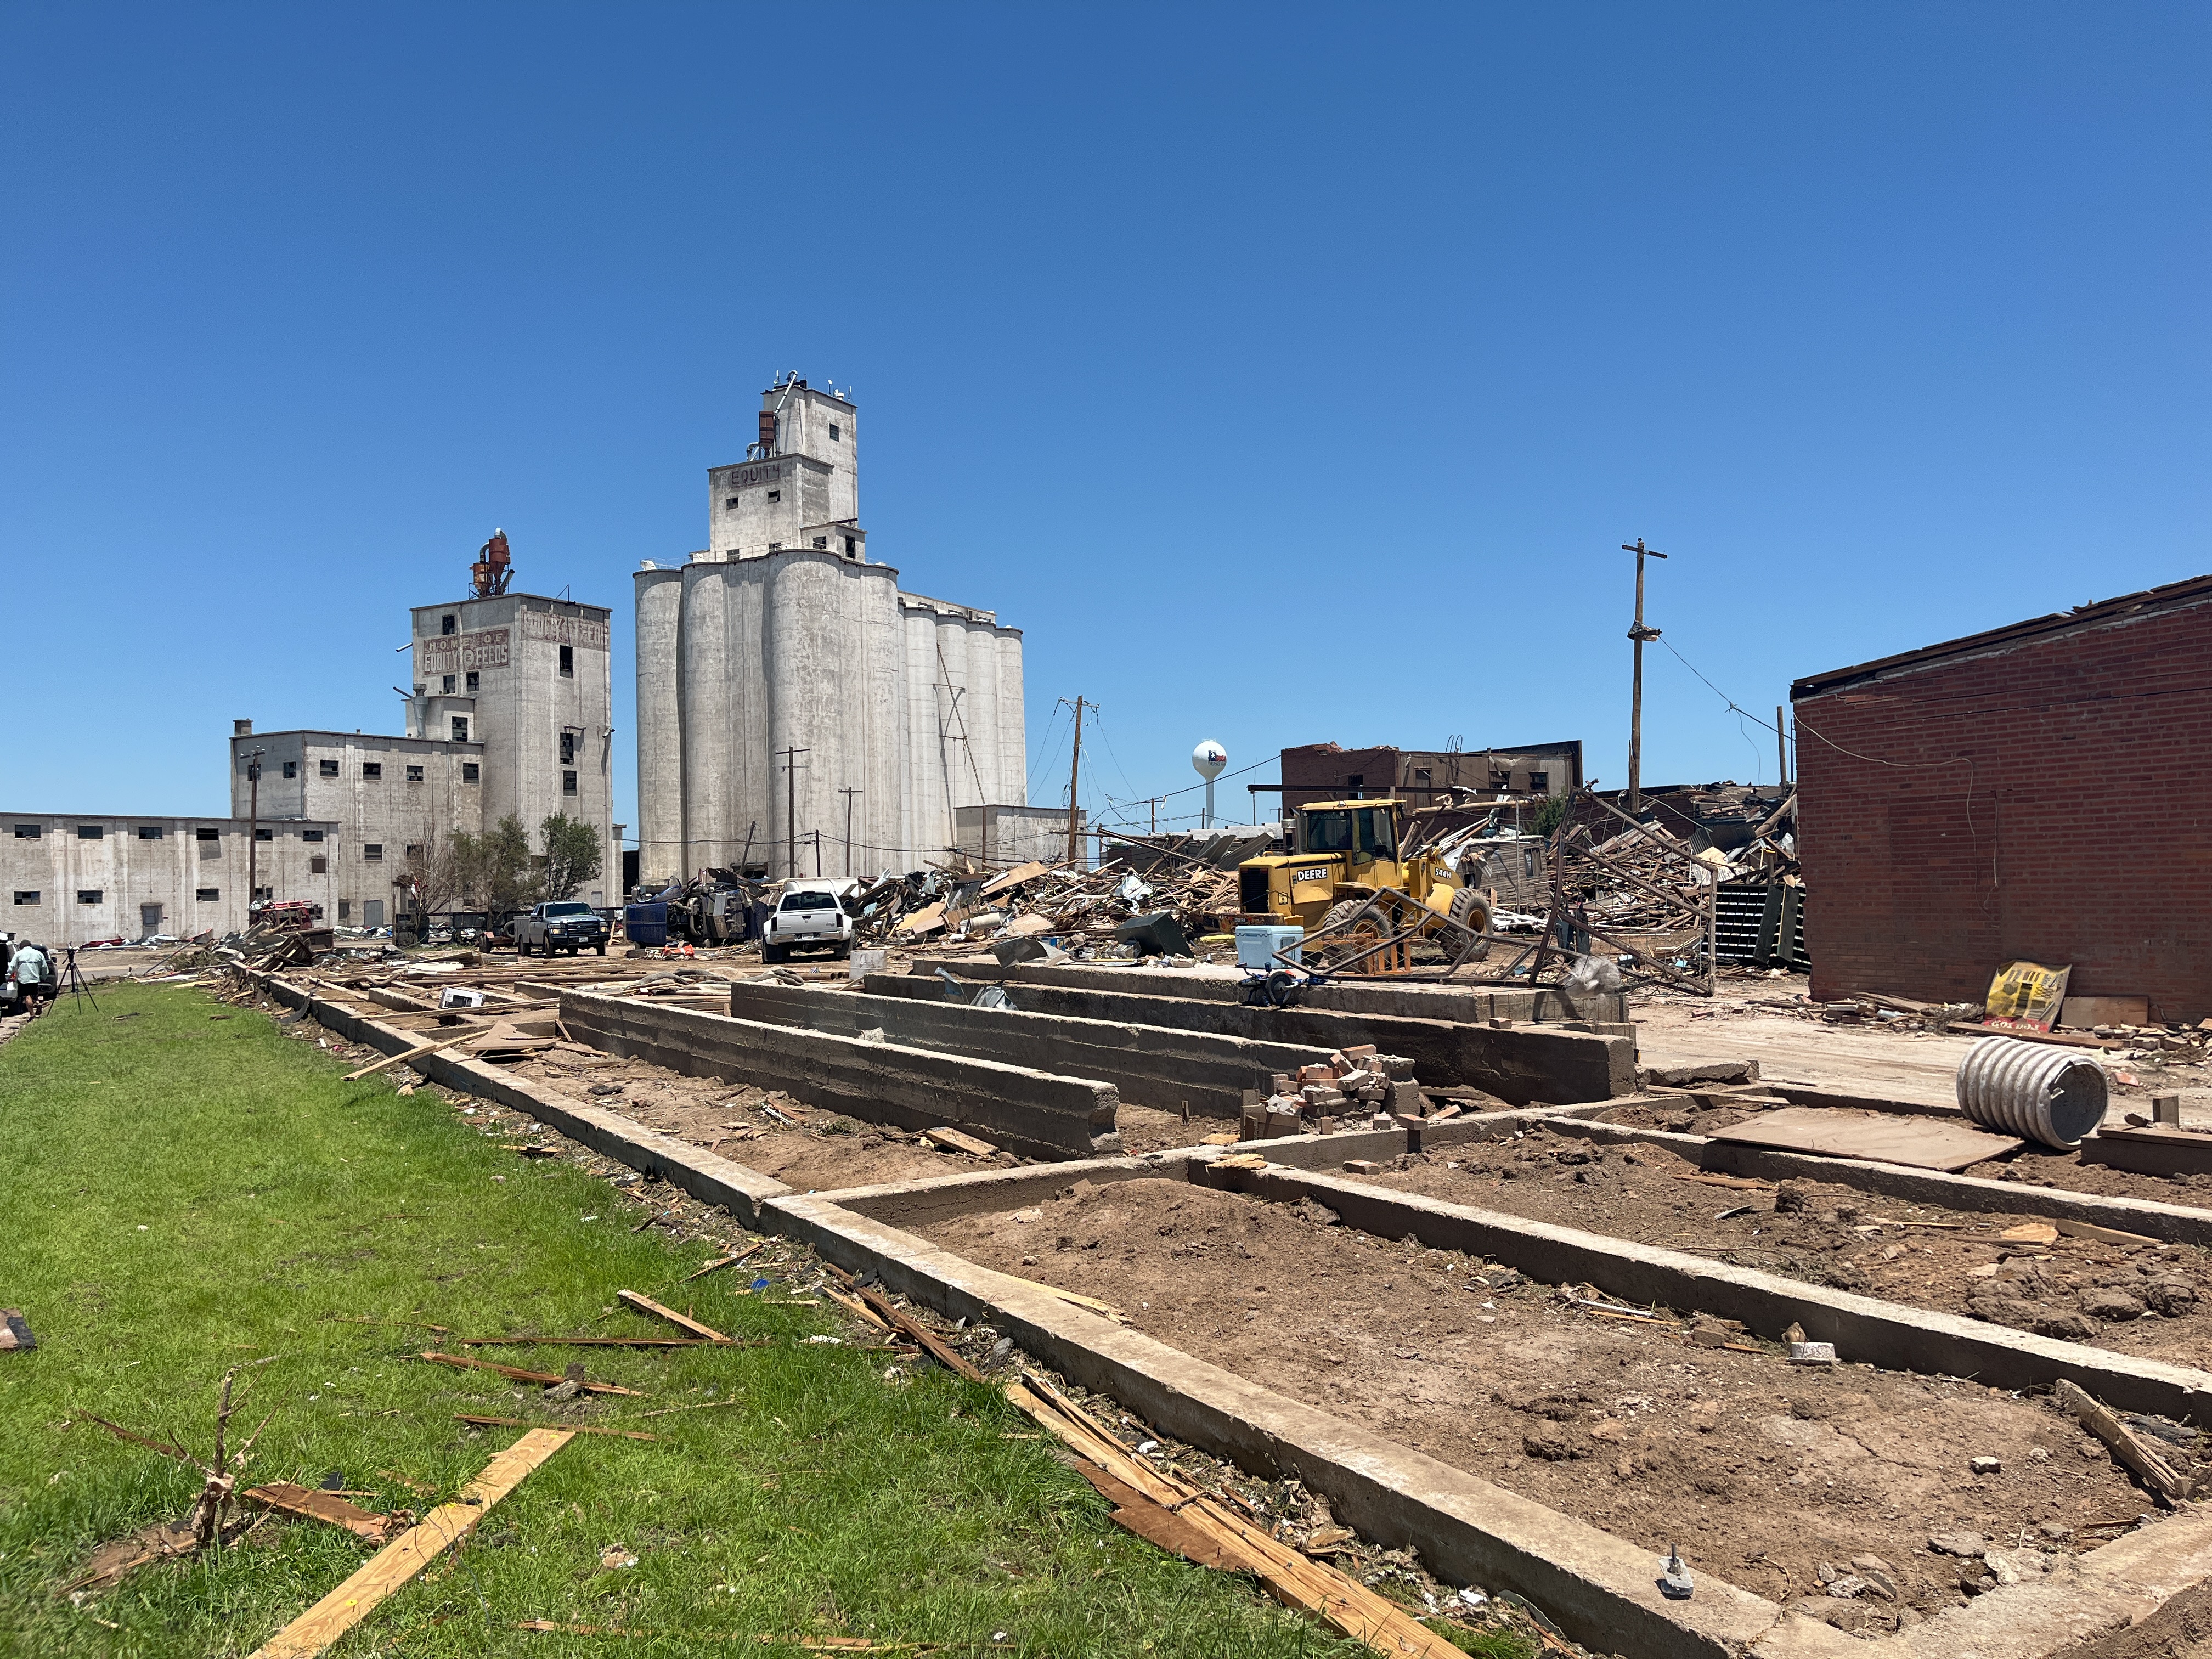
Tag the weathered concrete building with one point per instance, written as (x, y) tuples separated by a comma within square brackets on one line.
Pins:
[(511, 713), (73, 877), (1326, 771), (788, 688), (1935, 789)]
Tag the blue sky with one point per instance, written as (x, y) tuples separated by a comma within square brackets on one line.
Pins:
[(1287, 374)]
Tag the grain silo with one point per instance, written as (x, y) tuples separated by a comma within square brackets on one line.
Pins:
[(787, 687)]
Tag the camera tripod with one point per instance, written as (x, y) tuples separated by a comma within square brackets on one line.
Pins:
[(72, 980)]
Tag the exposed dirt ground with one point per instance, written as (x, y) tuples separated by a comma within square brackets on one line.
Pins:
[(2143, 1299), (817, 1153), (1763, 1472)]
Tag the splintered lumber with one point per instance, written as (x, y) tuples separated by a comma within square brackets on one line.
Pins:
[(517, 1423), (1168, 1510), (414, 1550), (930, 1343), (955, 1141), (1089, 1303), (854, 1306), (1742, 1183), (682, 1321), (2103, 1235), (287, 1498), (2170, 1484), (411, 1053), (516, 1374), (719, 1262), (585, 1342)]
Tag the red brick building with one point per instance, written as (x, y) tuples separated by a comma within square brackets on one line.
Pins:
[(2038, 792)]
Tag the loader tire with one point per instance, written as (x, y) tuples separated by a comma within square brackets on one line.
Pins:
[(1341, 912), (1470, 909)]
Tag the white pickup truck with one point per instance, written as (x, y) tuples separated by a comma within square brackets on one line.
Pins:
[(811, 915)]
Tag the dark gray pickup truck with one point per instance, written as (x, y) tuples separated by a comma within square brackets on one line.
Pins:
[(560, 925)]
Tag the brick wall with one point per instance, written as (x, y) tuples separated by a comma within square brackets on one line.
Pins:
[(1926, 874)]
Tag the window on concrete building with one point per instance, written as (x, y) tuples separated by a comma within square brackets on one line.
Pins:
[(207, 894), (90, 895), (470, 772), (776, 494), (291, 768), (833, 432), (447, 685), (731, 503), (205, 834), (821, 543), (414, 851), (372, 912), (849, 548), (1541, 781), (448, 625), (473, 681), (91, 831), (311, 834), (149, 832), (372, 850), (28, 831), (460, 728), (568, 783), (25, 897), (569, 661), (330, 768), (264, 895), (775, 547), (371, 768), (318, 866), (345, 909), (414, 774), (567, 749), (1421, 775)]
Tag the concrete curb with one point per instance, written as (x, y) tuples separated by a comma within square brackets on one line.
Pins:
[(2175, 1222)]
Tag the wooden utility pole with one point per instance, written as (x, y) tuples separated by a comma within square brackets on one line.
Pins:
[(848, 795), (1781, 752), (791, 801), (252, 830), (1639, 633), (1074, 772)]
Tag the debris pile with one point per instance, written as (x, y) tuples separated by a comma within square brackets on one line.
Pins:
[(1113, 911), (1355, 1082)]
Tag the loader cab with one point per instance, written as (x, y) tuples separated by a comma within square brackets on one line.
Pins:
[(1361, 832)]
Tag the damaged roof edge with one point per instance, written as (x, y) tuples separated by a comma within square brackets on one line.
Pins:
[(2129, 607)]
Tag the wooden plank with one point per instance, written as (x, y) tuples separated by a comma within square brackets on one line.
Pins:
[(413, 1551), (2103, 1235), (287, 1498), (517, 1423), (1918, 1142), (2105, 1011), (1156, 1500), (1014, 877), (2170, 1484), (927, 1339), (682, 1321), (516, 1374), (720, 1261), (585, 1342), (2149, 1150), (2021, 1034), (411, 1053), (954, 1140)]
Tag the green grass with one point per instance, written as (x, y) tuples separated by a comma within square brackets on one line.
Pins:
[(182, 1194)]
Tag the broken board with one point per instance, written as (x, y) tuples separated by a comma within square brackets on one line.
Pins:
[(2149, 1150), (1921, 1143), (2080, 1013)]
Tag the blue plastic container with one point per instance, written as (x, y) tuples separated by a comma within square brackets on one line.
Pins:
[(646, 924)]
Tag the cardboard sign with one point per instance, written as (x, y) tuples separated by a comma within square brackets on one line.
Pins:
[(2027, 996)]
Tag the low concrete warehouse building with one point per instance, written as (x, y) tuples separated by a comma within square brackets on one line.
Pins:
[(1943, 796), (71, 879)]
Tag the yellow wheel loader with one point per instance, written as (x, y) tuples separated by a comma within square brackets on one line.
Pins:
[(1348, 851)]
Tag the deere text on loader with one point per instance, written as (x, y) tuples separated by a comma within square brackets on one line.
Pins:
[(1348, 852)]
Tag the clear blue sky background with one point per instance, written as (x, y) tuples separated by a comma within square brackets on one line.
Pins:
[(1287, 373)]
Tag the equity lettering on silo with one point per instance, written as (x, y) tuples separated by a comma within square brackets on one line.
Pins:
[(456, 653), (585, 633)]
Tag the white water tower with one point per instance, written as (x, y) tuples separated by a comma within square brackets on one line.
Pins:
[(1207, 760)]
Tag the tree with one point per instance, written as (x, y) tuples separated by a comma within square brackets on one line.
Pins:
[(1552, 813), (497, 870), (434, 873), (572, 855)]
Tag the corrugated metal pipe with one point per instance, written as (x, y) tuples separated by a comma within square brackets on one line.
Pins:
[(2045, 1094)]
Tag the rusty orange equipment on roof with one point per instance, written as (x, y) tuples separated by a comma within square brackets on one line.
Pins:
[(491, 569)]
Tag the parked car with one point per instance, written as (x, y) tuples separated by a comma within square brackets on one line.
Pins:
[(560, 925), (811, 916)]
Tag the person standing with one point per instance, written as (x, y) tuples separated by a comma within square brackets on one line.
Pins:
[(33, 973)]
